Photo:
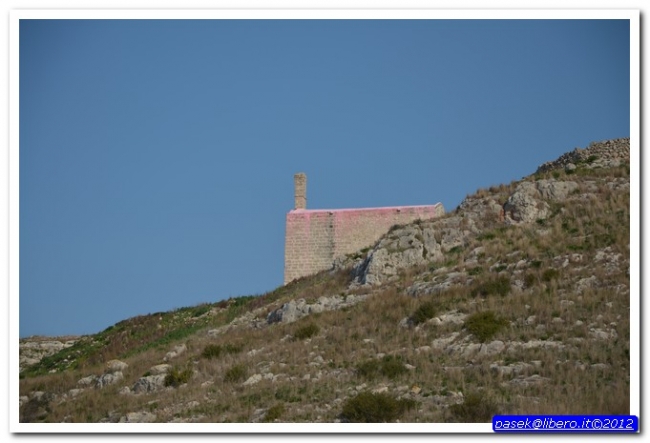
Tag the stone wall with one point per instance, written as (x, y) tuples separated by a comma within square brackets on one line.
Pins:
[(315, 238), (607, 154)]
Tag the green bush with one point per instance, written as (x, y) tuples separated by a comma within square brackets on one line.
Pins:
[(550, 274), (529, 280), (232, 348), (274, 412), (200, 310), (374, 408), (306, 331), (392, 366), (474, 409), (486, 236), (389, 366), (368, 369), (215, 351), (176, 377), (235, 374), (484, 325), (423, 313), (211, 351), (496, 286)]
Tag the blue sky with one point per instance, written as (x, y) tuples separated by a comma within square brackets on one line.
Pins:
[(157, 156)]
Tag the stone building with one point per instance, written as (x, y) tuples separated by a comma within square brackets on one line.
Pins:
[(316, 237)]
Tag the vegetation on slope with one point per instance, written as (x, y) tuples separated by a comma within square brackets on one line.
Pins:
[(519, 318)]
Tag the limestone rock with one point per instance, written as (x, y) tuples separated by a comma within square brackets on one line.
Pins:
[(288, 313), (109, 379), (160, 369), (138, 417), (116, 366), (87, 381), (33, 350), (254, 379), (178, 350), (148, 384), (525, 204), (555, 190)]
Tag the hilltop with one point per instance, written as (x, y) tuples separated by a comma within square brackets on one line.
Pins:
[(516, 302)]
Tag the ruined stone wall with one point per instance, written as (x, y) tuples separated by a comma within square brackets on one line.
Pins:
[(315, 238), (604, 154)]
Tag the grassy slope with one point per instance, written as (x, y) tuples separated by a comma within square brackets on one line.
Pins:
[(338, 352)]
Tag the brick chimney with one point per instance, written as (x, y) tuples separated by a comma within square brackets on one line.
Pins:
[(300, 186)]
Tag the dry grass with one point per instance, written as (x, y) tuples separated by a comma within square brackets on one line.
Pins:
[(530, 276)]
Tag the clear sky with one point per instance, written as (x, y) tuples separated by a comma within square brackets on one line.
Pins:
[(157, 156)]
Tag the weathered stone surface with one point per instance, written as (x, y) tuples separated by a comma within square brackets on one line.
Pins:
[(297, 309), (160, 369), (253, 379), (148, 384), (410, 246), (138, 417), (555, 190), (442, 343), (33, 349), (494, 347), (116, 366), (87, 381), (288, 313), (608, 153), (178, 350), (316, 238), (525, 204), (109, 379)]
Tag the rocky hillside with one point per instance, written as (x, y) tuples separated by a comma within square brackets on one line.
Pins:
[(516, 302)]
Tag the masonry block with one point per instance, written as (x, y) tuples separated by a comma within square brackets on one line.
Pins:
[(315, 238)]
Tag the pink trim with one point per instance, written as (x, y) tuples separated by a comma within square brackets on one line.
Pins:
[(379, 209)]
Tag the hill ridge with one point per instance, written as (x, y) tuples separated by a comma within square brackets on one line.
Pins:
[(515, 302)]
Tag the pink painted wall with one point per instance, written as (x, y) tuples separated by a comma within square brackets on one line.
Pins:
[(315, 238)]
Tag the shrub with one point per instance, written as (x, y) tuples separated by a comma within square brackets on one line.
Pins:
[(392, 366), (274, 412), (287, 394), (529, 280), (232, 348), (200, 310), (368, 369), (475, 271), (211, 351), (389, 366), (423, 313), (496, 286), (486, 236), (375, 408), (306, 331), (474, 409), (235, 374), (550, 274), (177, 377), (484, 325)]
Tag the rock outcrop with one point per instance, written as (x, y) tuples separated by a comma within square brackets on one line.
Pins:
[(604, 154)]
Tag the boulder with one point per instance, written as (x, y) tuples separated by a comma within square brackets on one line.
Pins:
[(138, 417), (178, 350), (116, 366), (109, 379), (525, 204), (148, 384), (160, 369)]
